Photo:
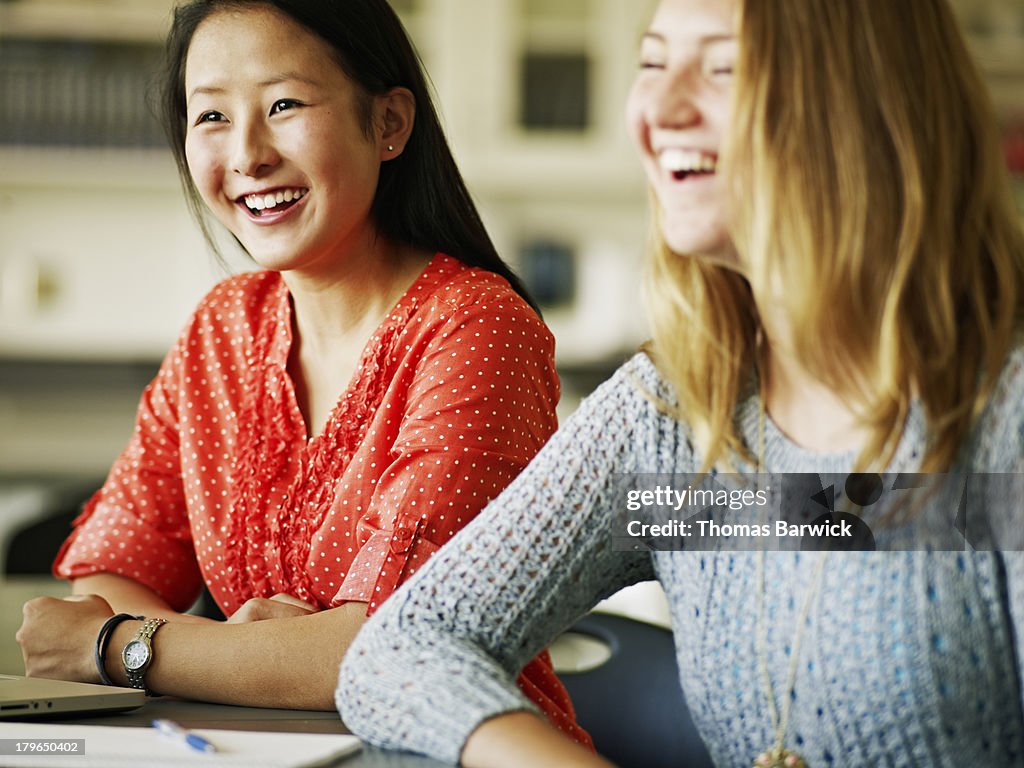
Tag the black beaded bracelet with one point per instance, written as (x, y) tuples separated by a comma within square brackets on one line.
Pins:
[(103, 640)]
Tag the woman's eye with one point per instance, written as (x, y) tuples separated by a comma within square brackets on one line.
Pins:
[(210, 116), (651, 53), (718, 71), (719, 61), (283, 104)]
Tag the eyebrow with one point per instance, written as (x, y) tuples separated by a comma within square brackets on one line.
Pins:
[(284, 77), (702, 40)]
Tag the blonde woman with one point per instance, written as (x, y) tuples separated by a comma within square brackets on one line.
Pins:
[(837, 286)]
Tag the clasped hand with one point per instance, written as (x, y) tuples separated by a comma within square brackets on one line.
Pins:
[(58, 636), (279, 606)]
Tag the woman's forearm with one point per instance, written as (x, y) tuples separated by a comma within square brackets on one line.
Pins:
[(286, 662), (128, 596), (521, 738)]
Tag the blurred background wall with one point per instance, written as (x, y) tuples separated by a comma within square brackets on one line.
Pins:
[(100, 264)]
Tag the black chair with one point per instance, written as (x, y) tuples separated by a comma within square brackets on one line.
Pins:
[(32, 549), (32, 544), (632, 704)]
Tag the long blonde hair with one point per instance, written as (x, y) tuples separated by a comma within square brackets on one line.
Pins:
[(866, 179)]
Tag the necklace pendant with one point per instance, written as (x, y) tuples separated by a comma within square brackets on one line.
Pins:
[(779, 757)]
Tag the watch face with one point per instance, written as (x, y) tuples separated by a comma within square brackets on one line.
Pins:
[(136, 654)]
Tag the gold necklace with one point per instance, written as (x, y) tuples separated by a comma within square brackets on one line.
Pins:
[(778, 756)]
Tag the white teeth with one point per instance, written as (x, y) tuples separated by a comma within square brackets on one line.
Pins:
[(676, 160), (272, 199)]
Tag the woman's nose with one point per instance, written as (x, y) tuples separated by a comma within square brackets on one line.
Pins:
[(253, 151), (671, 102)]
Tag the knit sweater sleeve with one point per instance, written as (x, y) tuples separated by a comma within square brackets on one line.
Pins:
[(441, 656)]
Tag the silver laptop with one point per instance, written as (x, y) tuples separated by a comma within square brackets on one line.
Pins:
[(38, 697)]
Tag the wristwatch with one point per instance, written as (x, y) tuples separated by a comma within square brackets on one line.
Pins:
[(138, 654)]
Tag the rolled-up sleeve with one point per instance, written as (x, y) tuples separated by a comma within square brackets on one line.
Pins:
[(480, 404), (137, 524)]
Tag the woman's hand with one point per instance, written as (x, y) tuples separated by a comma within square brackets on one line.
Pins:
[(279, 606), (58, 636)]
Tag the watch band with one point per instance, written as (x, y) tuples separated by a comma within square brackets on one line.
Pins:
[(138, 654), (103, 640)]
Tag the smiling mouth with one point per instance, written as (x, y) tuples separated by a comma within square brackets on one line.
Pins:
[(272, 202), (686, 163)]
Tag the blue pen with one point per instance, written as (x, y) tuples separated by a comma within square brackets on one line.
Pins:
[(189, 739)]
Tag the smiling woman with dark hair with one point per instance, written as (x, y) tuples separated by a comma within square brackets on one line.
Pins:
[(323, 424), (421, 200)]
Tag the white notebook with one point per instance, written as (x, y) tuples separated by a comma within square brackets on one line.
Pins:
[(130, 747)]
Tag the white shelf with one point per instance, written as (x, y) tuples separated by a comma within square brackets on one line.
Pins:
[(151, 170), (123, 20)]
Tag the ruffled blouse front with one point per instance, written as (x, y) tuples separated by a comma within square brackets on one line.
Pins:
[(453, 395)]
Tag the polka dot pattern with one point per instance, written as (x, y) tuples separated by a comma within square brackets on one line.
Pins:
[(454, 394)]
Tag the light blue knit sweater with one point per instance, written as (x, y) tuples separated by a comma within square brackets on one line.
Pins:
[(907, 658)]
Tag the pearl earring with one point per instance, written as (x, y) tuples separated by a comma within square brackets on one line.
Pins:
[(390, 148)]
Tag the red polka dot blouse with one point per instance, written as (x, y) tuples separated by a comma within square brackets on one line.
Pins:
[(453, 395)]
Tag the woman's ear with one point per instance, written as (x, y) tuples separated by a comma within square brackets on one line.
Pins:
[(396, 114)]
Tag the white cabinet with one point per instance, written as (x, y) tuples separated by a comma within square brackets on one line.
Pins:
[(581, 187), (98, 255)]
